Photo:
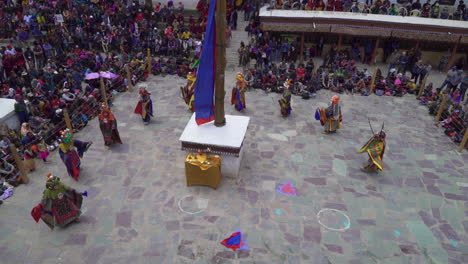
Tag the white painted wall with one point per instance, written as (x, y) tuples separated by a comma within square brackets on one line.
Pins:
[(192, 4), (421, 1)]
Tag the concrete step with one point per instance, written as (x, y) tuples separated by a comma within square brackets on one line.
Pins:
[(238, 36)]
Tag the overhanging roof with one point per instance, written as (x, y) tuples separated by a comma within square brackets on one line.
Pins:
[(409, 27)]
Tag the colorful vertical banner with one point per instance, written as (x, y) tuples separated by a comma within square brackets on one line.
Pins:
[(205, 84)]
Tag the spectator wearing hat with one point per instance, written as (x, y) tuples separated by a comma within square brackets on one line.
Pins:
[(10, 50), (463, 88), (455, 80), (402, 62), (452, 72)]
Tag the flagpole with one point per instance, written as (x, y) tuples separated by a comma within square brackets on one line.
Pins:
[(220, 62)]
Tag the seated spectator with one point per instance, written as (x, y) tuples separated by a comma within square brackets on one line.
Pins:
[(416, 5), (435, 10), (444, 14), (338, 5)]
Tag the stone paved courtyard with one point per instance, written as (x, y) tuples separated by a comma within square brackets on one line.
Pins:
[(138, 209), (415, 212)]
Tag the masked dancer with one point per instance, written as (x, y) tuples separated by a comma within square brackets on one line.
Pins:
[(331, 116), (108, 126), (285, 102), (188, 91), (60, 204), (70, 151), (238, 92), (375, 148), (145, 106)]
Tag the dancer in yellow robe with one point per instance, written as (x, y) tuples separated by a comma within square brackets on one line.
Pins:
[(188, 91), (330, 117), (375, 148)]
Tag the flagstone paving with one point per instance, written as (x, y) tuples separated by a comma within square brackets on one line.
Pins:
[(414, 212), (139, 209)]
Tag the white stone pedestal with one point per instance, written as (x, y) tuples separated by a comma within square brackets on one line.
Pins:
[(226, 141), (7, 113)]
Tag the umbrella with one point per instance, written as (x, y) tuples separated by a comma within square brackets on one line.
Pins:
[(92, 76), (109, 75)]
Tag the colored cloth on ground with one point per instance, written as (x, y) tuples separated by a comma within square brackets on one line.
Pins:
[(7, 193), (235, 241), (287, 188)]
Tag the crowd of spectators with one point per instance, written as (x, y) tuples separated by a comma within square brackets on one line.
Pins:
[(408, 8), (272, 63), (276, 61), (51, 47), (454, 114)]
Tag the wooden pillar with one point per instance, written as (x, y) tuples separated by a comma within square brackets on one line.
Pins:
[(372, 84), (374, 52), (441, 108), (129, 78), (423, 85), (302, 47), (149, 3), (68, 122), (340, 41), (103, 91), (464, 140), (452, 55), (220, 54), (149, 61), (19, 163)]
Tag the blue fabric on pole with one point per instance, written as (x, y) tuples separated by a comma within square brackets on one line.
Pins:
[(205, 83)]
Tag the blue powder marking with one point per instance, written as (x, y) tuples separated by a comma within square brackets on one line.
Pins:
[(396, 232), (345, 224), (454, 243), (278, 212)]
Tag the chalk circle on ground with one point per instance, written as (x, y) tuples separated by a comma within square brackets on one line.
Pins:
[(192, 205), (83, 210), (332, 217)]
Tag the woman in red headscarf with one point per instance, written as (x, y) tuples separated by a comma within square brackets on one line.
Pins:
[(201, 5), (108, 126)]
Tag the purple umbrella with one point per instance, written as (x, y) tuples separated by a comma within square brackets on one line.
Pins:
[(109, 75), (92, 76)]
